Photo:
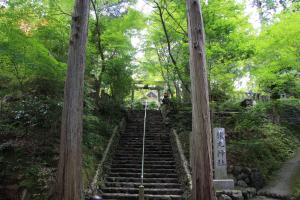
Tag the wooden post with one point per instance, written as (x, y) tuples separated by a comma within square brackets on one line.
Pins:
[(202, 176), (141, 193), (69, 180)]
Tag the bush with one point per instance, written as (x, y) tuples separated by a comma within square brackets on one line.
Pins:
[(33, 111), (260, 142), (296, 188), (253, 139), (229, 105), (266, 149)]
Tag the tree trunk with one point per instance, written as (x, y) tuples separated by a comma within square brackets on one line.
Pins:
[(69, 181), (202, 177)]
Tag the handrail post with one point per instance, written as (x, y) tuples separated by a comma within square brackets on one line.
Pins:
[(141, 188)]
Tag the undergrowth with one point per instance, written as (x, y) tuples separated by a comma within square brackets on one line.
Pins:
[(262, 136), (29, 143)]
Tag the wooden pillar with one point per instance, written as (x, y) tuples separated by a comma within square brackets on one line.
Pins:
[(202, 176)]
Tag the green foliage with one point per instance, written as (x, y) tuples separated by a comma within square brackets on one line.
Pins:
[(252, 118), (137, 105), (97, 129), (261, 143), (296, 186), (288, 111), (253, 139), (33, 111), (33, 54), (228, 45), (277, 56), (25, 64), (152, 105), (228, 37), (113, 68), (266, 148), (230, 105)]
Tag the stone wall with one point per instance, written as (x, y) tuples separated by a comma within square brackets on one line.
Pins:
[(105, 163)]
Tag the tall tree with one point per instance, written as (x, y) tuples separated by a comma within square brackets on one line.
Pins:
[(174, 62), (69, 183), (277, 64), (201, 134)]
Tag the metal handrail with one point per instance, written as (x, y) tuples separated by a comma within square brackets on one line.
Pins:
[(141, 188), (144, 135)]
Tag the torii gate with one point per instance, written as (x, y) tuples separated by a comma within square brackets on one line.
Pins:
[(146, 87)]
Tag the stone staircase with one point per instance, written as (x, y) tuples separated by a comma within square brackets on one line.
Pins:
[(160, 176)]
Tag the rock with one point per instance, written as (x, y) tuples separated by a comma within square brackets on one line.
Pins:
[(236, 170), (262, 198), (235, 180), (224, 197), (257, 179), (242, 183), (242, 176), (237, 195), (247, 180), (249, 192), (8, 99), (246, 170), (230, 169)]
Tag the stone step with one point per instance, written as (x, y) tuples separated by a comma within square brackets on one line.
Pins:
[(138, 170), (139, 149), (125, 151), (133, 149), (140, 131), (146, 166), (160, 177), (149, 131), (153, 191), (147, 154), (151, 147), (146, 175), (146, 185), (138, 180), (150, 127), (150, 162), (122, 196), (147, 148), (146, 145), (137, 159), (150, 139), (155, 124), (149, 122), (147, 136)]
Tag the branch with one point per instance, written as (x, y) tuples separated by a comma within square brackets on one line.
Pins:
[(178, 24), (99, 44), (169, 46)]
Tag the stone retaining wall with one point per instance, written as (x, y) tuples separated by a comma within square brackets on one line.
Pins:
[(105, 163)]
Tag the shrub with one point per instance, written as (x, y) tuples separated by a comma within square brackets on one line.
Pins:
[(266, 149)]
